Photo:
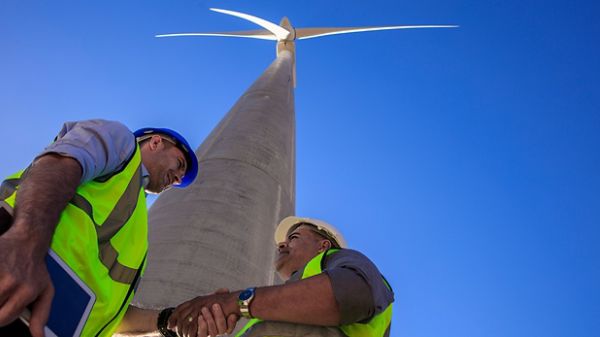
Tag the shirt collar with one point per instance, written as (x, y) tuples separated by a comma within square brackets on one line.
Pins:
[(145, 176)]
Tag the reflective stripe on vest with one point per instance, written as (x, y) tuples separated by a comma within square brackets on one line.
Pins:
[(376, 327), (103, 236)]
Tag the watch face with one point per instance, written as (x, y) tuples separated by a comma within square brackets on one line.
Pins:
[(246, 294)]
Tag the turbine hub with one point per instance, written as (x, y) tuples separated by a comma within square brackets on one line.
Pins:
[(285, 24)]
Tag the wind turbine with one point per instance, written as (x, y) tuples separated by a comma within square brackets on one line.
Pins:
[(218, 232), (286, 35)]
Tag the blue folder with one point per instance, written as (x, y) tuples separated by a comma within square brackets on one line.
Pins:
[(72, 303)]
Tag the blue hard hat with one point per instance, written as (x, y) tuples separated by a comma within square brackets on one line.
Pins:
[(183, 145)]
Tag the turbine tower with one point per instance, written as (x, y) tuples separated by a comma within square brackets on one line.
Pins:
[(218, 232)]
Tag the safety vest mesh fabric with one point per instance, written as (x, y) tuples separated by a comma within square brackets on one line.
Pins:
[(103, 236), (376, 327)]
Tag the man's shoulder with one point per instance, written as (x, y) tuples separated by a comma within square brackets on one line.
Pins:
[(348, 258), (95, 128), (352, 272), (103, 123), (349, 253), (100, 146)]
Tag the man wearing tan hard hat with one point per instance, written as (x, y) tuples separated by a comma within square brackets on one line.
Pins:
[(329, 290)]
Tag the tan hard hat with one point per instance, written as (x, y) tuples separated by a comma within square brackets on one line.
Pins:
[(286, 224)]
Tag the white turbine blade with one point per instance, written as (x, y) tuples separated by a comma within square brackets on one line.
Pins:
[(252, 34), (279, 31), (309, 33)]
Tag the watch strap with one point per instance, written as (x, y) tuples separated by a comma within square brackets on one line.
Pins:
[(163, 321), (244, 304)]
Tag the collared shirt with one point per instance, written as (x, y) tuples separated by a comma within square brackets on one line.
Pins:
[(100, 147), (357, 286)]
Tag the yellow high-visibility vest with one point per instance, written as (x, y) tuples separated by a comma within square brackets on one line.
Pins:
[(375, 327), (102, 235)]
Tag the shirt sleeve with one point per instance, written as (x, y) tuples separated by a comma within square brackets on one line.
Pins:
[(101, 147), (357, 285)]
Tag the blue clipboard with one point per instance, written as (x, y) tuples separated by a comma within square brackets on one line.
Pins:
[(72, 303)]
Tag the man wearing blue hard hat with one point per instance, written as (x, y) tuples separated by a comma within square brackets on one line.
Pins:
[(155, 136), (84, 198)]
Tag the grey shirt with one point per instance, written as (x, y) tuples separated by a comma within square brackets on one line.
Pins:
[(101, 147), (358, 287)]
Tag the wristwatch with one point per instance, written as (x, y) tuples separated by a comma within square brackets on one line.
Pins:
[(244, 300)]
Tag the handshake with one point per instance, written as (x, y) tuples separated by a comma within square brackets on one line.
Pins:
[(211, 315)]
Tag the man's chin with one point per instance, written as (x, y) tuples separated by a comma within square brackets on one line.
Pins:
[(156, 188), (149, 191)]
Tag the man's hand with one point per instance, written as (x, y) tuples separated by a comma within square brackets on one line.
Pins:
[(212, 322), (24, 281), (193, 317)]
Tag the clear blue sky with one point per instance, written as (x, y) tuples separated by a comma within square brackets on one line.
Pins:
[(463, 162)]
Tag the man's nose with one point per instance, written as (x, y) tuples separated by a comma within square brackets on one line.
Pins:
[(281, 245)]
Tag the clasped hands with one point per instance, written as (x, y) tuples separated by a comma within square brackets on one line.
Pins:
[(210, 315)]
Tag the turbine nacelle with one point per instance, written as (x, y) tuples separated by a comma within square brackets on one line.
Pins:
[(287, 25), (287, 43)]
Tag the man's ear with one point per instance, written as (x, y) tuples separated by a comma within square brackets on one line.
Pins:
[(325, 244), (155, 142)]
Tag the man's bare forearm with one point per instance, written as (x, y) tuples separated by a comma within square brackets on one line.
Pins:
[(308, 301), (48, 185), (139, 322)]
